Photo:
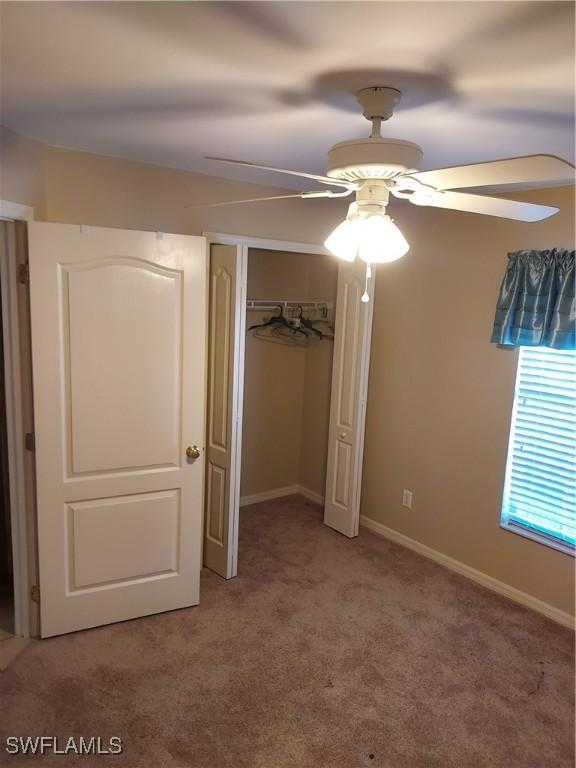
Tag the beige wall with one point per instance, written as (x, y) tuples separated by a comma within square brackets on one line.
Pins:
[(22, 171), (440, 394), (286, 388), (82, 188)]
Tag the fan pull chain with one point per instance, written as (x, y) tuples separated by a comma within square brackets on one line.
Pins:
[(365, 297)]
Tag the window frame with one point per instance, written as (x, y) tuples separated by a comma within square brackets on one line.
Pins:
[(515, 527)]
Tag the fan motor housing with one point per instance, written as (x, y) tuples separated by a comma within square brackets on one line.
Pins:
[(373, 158)]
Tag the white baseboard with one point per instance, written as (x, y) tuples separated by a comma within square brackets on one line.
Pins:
[(561, 617), (277, 493), (312, 495)]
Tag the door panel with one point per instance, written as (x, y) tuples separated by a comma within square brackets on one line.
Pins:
[(139, 534), (95, 296), (348, 400), (223, 428), (118, 343), (343, 461)]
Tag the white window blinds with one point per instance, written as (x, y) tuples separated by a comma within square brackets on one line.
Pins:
[(539, 492)]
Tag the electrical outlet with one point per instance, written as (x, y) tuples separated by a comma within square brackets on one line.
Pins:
[(407, 499)]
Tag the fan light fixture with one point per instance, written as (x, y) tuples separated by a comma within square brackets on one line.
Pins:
[(373, 237)]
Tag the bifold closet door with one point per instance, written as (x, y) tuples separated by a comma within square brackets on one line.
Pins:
[(348, 399), (223, 428), (118, 352)]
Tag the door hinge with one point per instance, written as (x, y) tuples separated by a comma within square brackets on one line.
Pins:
[(30, 441), (35, 593), (24, 274)]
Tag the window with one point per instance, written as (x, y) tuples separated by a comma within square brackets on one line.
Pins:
[(539, 491)]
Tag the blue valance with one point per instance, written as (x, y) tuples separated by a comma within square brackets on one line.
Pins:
[(536, 306)]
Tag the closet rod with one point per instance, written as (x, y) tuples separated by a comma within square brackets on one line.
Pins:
[(274, 304)]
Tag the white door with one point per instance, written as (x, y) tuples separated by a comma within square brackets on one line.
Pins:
[(348, 399), (118, 345), (227, 317)]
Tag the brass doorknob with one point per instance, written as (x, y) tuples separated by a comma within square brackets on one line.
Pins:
[(192, 452)]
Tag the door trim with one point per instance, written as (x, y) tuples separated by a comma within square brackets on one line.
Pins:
[(224, 238), (10, 211), (238, 397)]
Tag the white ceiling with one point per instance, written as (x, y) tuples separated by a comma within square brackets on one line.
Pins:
[(167, 83)]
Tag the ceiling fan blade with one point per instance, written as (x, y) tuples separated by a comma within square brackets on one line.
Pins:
[(305, 195), (537, 169), (322, 179), (489, 206)]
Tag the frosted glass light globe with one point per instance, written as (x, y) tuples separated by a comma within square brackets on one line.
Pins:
[(380, 240), (343, 242)]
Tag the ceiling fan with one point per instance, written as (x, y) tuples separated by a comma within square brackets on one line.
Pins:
[(375, 167)]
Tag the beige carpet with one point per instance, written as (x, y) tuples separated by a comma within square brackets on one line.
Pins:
[(323, 653), (10, 648)]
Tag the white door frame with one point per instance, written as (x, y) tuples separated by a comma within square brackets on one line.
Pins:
[(10, 211), (244, 243), (224, 238), (20, 465)]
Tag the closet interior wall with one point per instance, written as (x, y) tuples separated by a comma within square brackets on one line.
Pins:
[(286, 388)]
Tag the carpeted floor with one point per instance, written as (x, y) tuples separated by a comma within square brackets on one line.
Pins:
[(323, 653)]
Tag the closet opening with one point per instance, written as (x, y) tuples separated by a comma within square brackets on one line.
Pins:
[(288, 353), (289, 341)]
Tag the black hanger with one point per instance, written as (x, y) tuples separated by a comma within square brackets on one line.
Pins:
[(307, 323), (278, 321), (324, 321), (271, 320)]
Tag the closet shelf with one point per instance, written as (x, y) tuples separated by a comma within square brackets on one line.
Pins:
[(275, 303)]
